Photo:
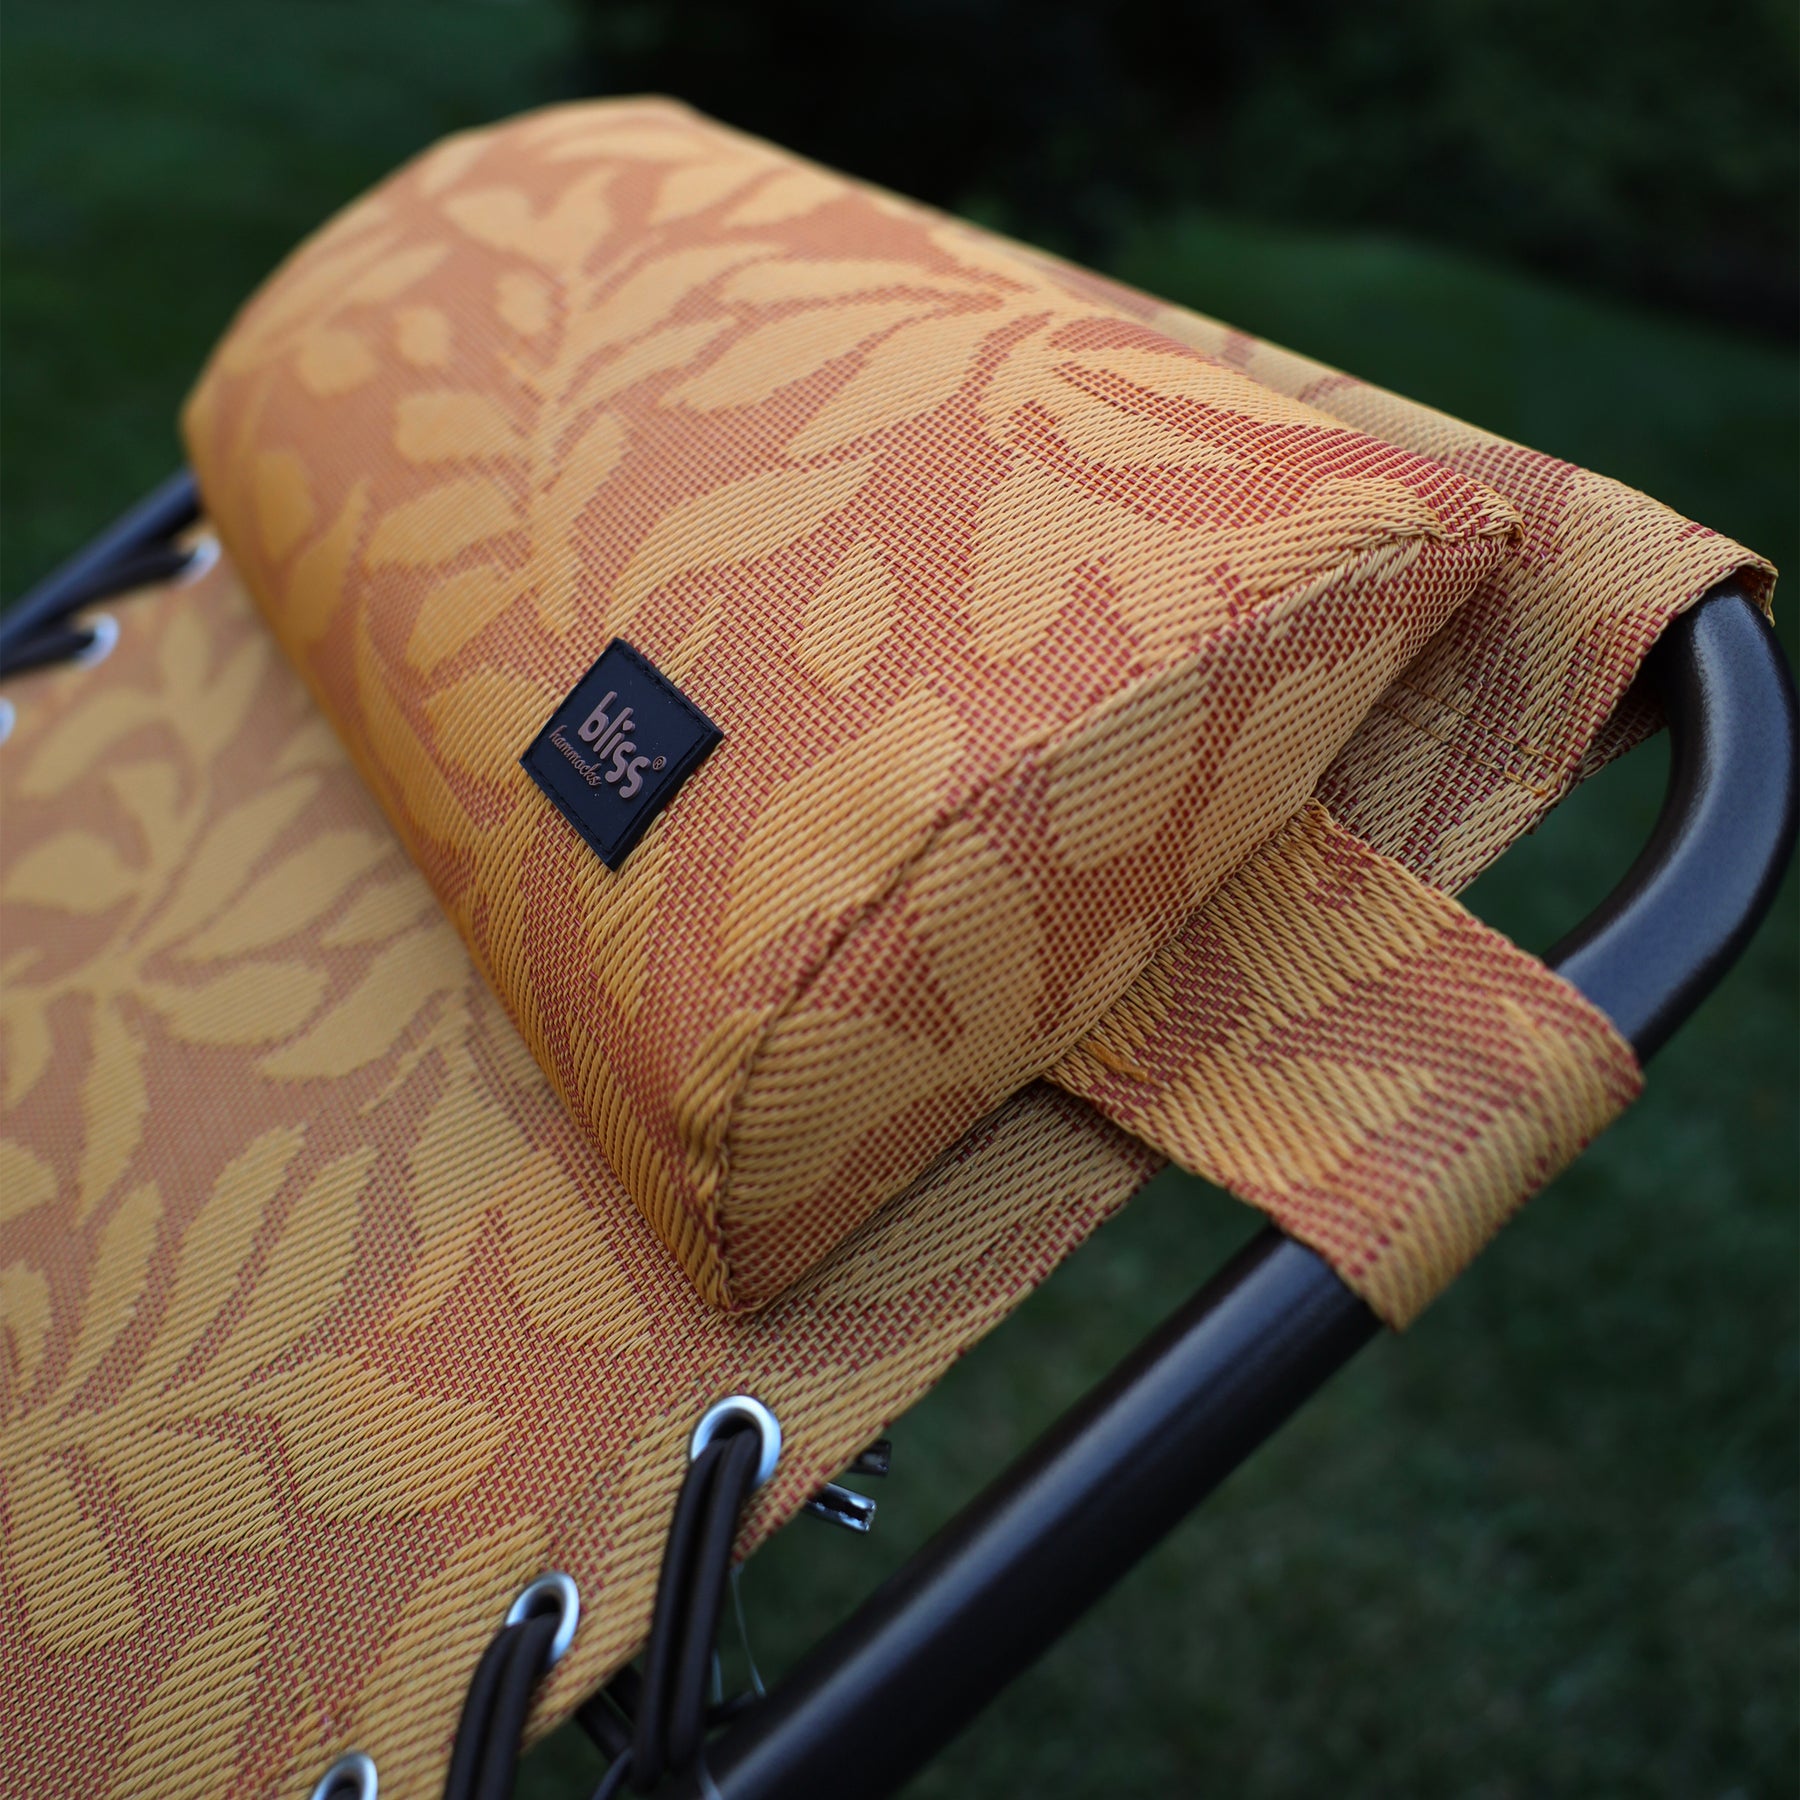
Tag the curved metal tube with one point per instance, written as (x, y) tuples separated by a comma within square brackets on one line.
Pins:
[(1661, 941), (89, 573), (983, 1600)]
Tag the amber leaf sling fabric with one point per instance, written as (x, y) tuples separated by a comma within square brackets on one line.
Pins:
[(325, 1327), (385, 1186)]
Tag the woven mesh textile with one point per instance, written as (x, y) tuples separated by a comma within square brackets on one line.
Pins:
[(323, 1328), (1528, 689), (1023, 622), (324, 1323), (1348, 1050)]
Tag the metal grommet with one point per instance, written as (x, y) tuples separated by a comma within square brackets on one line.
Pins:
[(106, 633), (351, 1777), (200, 559), (9, 717), (750, 1409), (559, 1591)]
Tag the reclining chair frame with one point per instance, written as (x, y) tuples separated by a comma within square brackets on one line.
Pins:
[(972, 1609)]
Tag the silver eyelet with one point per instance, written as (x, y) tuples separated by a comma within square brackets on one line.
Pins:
[(354, 1767), (200, 560), (750, 1409), (559, 1591), (106, 634)]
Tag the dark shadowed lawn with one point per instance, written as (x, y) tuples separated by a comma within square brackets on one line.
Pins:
[(1543, 1545)]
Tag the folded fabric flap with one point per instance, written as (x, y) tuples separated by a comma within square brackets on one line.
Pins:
[(985, 626), (1351, 1052), (1528, 689)]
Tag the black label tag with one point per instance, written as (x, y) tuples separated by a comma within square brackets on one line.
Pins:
[(616, 752)]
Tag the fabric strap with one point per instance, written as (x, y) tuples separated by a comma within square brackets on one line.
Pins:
[(1352, 1052)]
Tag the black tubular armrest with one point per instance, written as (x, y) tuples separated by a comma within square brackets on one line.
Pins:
[(94, 570), (980, 1602), (1663, 938)]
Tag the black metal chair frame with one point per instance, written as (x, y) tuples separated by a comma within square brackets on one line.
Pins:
[(885, 1691)]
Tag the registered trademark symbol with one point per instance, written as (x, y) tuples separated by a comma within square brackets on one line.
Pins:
[(657, 762)]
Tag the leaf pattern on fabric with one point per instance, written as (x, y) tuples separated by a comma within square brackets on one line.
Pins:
[(361, 1444), (26, 1180), (894, 500), (219, 1666), (74, 871), (396, 1334), (77, 1596), (25, 1318), (364, 1025)]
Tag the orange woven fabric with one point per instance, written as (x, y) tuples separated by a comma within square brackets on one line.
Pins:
[(1527, 690), (323, 1328), (1023, 621), (324, 1325), (1351, 1052)]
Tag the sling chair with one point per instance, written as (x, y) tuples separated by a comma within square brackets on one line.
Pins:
[(710, 769)]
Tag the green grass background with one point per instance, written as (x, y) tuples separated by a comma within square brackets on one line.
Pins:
[(1544, 1544)]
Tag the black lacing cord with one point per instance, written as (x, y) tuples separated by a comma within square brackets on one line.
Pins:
[(606, 1717), (666, 1706), (671, 1714), (142, 568), (485, 1757), (61, 643), (52, 640), (655, 1723), (135, 550)]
